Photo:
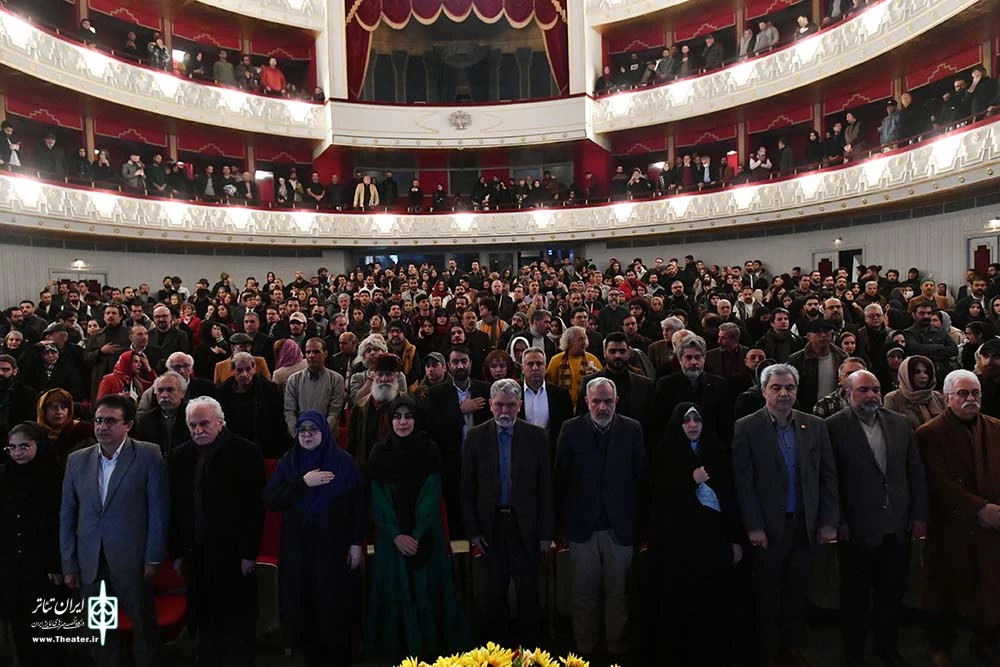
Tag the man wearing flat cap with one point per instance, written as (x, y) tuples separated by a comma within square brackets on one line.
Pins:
[(370, 420), (239, 342), (817, 363)]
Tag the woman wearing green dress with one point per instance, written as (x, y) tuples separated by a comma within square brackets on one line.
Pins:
[(412, 609)]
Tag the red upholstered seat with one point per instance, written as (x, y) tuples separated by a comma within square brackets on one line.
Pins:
[(170, 591), (270, 542)]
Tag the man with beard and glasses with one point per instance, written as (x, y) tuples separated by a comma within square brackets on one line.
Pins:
[(369, 421), (451, 409), (511, 524), (315, 387), (693, 384), (164, 425), (600, 480), (961, 452), (883, 493)]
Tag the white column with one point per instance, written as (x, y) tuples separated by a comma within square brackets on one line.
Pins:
[(331, 50), (584, 46)]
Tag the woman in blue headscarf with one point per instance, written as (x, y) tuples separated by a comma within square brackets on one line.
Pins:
[(694, 590), (320, 492)]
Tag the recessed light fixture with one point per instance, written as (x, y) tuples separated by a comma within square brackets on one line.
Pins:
[(838, 241), (993, 223), (78, 264)]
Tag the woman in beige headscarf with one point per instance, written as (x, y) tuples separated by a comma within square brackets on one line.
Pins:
[(916, 398)]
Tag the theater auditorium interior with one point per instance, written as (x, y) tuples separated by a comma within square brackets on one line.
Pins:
[(320, 317)]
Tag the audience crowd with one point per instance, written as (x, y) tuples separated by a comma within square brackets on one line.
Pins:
[(728, 419)]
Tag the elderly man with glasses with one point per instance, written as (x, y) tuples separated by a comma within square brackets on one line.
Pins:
[(961, 452)]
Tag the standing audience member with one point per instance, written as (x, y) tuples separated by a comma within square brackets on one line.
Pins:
[(216, 521), (113, 534), (917, 398), (321, 496), (315, 388), (600, 480), (786, 484), (883, 492), (412, 606), (961, 452), (697, 542), (507, 508), (254, 407), (30, 568)]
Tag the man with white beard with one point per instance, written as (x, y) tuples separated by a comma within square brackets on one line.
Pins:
[(369, 420), (600, 479)]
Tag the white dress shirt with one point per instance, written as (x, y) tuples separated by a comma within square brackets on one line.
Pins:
[(106, 469), (466, 418), (536, 406)]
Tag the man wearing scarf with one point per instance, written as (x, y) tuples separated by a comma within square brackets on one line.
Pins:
[(961, 452), (779, 343), (216, 522), (369, 421)]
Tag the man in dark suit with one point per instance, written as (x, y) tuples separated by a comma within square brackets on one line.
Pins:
[(635, 392), (786, 484), (600, 480), (477, 342), (452, 409), (545, 404), (883, 491), (216, 522), (113, 533), (726, 361), (693, 384), (164, 425), (138, 335), (538, 333), (507, 510)]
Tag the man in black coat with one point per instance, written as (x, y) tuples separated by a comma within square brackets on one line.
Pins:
[(262, 345), (635, 392), (692, 384), (104, 347), (883, 495), (507, 511), (545, 404), (451, 409), (255, 407), (600, 480), (216, 521), (164, 425), (476, 341), (17, 400)]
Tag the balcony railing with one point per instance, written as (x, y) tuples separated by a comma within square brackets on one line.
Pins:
[(960, 158)]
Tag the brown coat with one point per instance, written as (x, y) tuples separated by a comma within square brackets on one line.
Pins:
[(960, 558)]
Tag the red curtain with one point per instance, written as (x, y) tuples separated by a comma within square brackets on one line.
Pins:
[(364, 17)]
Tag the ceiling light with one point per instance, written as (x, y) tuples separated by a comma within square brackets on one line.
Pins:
[(78, 264), (993, 223)]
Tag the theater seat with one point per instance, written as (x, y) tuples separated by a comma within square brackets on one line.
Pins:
[(267, 576), (170, 591), (270, 542)]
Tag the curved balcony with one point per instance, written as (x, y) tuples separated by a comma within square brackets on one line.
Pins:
[(39, 53), (872, 33), (308, 14), (459, 126), (603, 12), (959, 159)]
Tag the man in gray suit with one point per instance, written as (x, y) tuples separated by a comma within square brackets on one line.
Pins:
[(507, 510), (113, 524), (883, 489), (786, 484)]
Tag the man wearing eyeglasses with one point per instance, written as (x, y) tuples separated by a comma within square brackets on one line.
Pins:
[(113, 525), (182, 364), (961, 452)]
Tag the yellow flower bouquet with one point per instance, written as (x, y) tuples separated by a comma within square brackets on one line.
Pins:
[(493, 655)]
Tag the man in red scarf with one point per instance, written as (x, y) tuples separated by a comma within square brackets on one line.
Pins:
[(961, 452)]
